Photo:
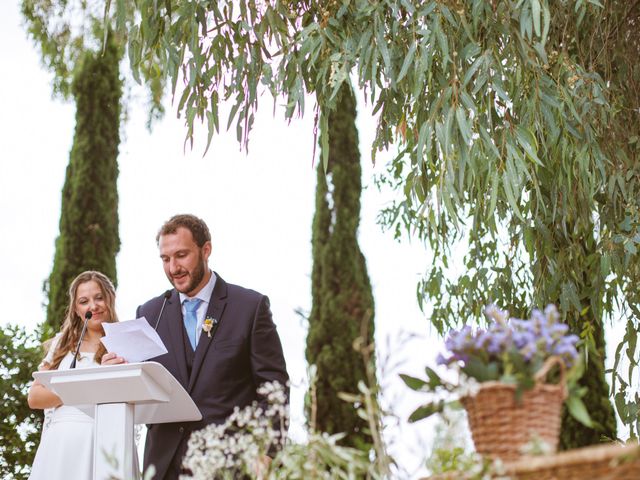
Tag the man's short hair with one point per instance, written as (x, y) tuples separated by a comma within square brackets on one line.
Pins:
[(195, 225)]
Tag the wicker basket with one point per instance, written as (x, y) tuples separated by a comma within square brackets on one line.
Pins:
[(501, 426), (600, 462)]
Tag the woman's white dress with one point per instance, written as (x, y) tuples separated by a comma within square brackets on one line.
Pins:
[(66, 444)]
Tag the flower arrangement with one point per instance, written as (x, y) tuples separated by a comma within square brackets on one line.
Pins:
[(233, 449), (511, 351)]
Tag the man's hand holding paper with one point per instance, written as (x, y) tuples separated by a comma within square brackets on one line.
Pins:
[(131, 341)]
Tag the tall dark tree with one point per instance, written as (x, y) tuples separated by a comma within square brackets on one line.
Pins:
[(70, 35), (343, 308), (89, 237)]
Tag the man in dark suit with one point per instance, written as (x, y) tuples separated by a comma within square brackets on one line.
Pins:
[(221, 340)]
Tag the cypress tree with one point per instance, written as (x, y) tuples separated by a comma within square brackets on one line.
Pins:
[(341, 291), (88, 238)]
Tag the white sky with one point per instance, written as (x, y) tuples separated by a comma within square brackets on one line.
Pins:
[(259, 208)]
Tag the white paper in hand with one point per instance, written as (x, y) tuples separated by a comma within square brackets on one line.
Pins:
[(133, 340)]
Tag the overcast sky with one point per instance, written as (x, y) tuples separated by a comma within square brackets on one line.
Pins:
[(259, 208)]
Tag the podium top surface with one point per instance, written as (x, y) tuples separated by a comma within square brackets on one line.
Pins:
[(158, 397)]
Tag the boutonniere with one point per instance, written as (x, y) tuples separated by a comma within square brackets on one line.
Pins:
[(208, 325)]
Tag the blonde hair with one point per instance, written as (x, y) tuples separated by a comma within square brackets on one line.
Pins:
[(72, 325)]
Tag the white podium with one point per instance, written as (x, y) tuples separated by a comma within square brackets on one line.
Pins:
[(118, 397)]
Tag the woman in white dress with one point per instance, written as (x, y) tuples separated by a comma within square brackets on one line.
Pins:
[(66, 445)]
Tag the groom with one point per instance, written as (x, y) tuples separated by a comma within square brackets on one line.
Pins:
[(220, 367)]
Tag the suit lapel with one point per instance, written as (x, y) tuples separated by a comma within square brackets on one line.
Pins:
[(173, 311), (215, 311)]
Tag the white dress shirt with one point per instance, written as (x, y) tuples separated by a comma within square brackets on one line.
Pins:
[(205, 296)]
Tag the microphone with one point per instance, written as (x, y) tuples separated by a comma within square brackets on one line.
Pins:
[(166, 296), (87, 317)]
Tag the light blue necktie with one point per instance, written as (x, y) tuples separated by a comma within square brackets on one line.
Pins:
[(191, 320)]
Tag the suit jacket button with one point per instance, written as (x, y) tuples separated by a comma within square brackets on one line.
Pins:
[(181, 429)]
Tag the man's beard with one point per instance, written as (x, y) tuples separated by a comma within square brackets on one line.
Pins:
[(196, 276)]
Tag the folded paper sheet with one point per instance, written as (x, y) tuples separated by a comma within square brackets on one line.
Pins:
[(134, 340)]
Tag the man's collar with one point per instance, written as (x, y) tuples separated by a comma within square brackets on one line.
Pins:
[(205, 293)]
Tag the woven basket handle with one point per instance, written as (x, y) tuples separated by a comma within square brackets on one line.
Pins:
[(541, 375)]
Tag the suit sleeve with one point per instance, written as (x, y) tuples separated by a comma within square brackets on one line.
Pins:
[(267, 357)]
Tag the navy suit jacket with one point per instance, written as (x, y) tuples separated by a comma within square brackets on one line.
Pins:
[(243, 352)]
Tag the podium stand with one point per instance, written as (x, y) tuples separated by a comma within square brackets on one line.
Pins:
[(118, 397)]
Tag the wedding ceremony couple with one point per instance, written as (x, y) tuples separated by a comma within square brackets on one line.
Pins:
[(220, 368)]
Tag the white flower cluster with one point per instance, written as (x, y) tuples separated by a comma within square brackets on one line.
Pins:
[(467, 386), (235, 447)]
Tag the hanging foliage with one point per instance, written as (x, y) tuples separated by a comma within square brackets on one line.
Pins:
[(516, 126)]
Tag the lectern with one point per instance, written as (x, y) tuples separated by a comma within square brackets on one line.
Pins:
[(118, 397)]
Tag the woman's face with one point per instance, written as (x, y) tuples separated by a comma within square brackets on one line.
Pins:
[(89, 297)]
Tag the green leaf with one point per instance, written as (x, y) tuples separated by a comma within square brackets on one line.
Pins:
[(413, 383), (434, 379), (442, 41), (528, 142), (511, 198), (382, 47), (463, 124), (630, 247), (426, 411), (578, 411), (495, 184), (407, 62), (631, 337), (472, 70), (482, 372), (324, 139), (621, 406), (546, 15), (425, 131), (535, 11)]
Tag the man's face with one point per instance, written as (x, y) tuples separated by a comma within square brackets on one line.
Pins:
[(184, 263)]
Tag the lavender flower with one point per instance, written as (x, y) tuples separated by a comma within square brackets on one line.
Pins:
[(534, 340)]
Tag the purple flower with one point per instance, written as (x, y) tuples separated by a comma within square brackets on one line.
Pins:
[(529, 350), (538, 318), (548, 340), (522, 338), (552, 314), (497, 342), (566, 348), (458, 339), (558, 329), (481, 339), (441, 360), (534, 340)]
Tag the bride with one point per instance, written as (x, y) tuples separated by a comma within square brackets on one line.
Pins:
[(66, 445)]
